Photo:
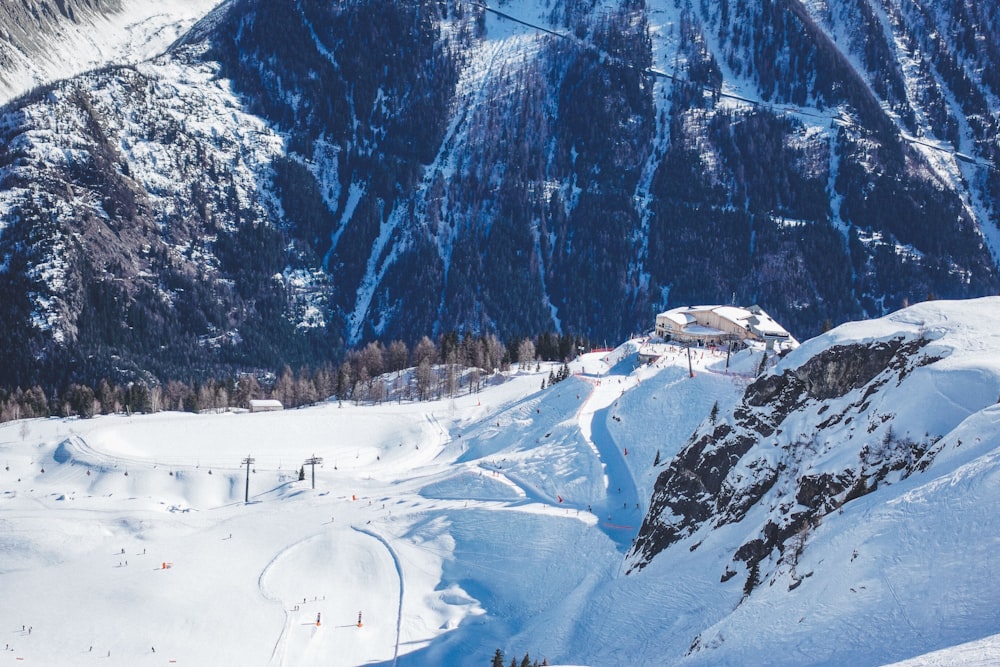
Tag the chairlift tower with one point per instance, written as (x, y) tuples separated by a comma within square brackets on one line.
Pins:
[(248, 461), (688, 344), (729, 338), (312, 462)]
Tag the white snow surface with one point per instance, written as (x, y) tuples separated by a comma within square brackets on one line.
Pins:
[(458, 526), (143, 29)]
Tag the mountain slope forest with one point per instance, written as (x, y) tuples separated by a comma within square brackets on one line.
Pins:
[(296, 178)]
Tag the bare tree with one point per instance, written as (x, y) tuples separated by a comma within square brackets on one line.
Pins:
[(323, 381), (525, 352), (344, 379), (451, 379), (206, 395), (247, 389), (378, 391), (424, 379), (373, 356), (398, 355), (284, 388), (363, 385), (495, 352), (155, 398), (425, 350), (221, 397), (174, 394), (305, 389)]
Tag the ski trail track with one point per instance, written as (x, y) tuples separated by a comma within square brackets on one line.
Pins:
[(314, 629), (622, 523), (399, 573), (277, 658), (619, 523)]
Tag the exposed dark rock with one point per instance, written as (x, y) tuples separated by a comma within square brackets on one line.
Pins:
[(701, 486)]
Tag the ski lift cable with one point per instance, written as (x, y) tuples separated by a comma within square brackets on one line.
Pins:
[(838, 118)]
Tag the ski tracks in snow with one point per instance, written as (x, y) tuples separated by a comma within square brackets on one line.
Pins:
[(619, 481), (281, 643), (399, 574)]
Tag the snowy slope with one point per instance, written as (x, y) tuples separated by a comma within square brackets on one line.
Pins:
[(459, 526), (53, 48)]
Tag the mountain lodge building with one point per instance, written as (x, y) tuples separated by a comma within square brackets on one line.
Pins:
[(718, 325)]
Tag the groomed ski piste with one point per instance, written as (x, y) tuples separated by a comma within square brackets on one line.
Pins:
[(440, 531), (448, 527)]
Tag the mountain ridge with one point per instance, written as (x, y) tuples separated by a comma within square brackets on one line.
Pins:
[(447, 169)]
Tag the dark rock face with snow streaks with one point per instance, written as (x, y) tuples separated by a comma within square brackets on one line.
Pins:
[(784, 422)]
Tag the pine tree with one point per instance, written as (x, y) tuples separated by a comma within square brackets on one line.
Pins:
[(714, 414), (498, 659), (526, 661)]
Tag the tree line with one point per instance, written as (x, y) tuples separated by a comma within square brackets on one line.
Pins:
[(498, 661), (374, 373)]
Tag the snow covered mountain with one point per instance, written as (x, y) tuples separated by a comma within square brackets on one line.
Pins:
[(440, 531), (293, 177), (44, 41), (856, 461)]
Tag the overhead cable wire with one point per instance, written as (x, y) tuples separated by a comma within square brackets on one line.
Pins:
[(838, 118)]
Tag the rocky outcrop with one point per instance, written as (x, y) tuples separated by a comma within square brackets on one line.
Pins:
[(756, 462)]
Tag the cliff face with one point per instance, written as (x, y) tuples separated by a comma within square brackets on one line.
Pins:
[(838, 419)]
